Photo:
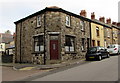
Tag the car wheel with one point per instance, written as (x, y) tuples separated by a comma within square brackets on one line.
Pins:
[(99, 58), (108, 56), (118, 53)]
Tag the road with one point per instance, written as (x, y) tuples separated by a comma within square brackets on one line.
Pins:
[(105, 70)]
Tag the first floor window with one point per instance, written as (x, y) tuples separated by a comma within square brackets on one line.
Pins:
[(38, 21), (39, 46), (69, 44), (68, 21)]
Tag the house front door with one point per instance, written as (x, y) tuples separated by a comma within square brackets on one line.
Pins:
[(54, 49)]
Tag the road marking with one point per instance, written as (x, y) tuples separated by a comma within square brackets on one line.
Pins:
[(26, 68)]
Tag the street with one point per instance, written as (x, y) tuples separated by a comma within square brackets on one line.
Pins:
[(105, 70)]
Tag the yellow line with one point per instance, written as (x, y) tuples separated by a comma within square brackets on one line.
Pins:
[(26, 68)]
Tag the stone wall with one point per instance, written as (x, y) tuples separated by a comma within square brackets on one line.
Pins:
[(54, 22)]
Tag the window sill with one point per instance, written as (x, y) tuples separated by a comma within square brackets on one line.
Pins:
[(38, 27), (70, 53), (82, 30), (83, 50), (68, 26), (38, 52)]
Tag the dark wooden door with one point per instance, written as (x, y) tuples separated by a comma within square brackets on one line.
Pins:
[(54, 49)]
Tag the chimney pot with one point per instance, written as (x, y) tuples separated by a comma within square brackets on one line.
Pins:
[(118, 24), (102, 19), (108, 21), (83, 13), (93, 15)]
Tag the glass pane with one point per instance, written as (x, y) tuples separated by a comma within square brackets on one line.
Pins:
[(41, 48), (36, 46), (71, 48), (66, 48)]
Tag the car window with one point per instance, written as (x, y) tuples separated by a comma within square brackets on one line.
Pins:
[(111, 46), (94, 49)]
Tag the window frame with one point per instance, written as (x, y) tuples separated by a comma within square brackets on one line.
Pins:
[(40, 43), (68, 21), (97, 31), (69, 47), (39, 19), (82, 25), (83, 44)]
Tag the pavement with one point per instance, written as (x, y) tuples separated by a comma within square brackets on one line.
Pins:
[(18, 66)]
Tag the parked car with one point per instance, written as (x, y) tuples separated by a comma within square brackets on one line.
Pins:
[(97, 53), (114, 49)]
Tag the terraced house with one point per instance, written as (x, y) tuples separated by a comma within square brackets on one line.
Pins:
[(52, 34)]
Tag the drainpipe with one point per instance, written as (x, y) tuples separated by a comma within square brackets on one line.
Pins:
[(20, 43), (90, 35), (45, 38)]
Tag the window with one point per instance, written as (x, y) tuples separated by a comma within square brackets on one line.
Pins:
[(108, 33), (82, 25), (69, 44), (39, 46), (98, 43), (68, 21), (38, 21), (83, 44), (97, 31), (93, 42), (1, 47)]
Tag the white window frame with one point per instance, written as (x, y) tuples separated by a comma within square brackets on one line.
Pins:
[(68, 21), (82, 25), (38, 21)]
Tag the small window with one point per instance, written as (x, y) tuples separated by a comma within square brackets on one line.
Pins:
[(82, 25), (68, 21), (97, 31), (38, 21), (98, 43), (1, 47), (39, 45), (108, 33), (69, 44), (83, 44)]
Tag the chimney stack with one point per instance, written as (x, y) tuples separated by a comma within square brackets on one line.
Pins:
[(118, 24), (114, 23), (102, 19), (83, 13), (108, 21), (93, 15)]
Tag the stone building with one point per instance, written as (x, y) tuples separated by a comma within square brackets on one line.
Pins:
[(52, 34), (115, 33)]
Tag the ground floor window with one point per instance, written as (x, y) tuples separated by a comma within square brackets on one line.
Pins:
[(69, 44), (83, 44), (93, 42), (38, 44)]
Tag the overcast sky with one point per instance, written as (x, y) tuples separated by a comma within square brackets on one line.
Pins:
[(13, 10)]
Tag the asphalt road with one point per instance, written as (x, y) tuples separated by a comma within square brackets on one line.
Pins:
[(105, 70)]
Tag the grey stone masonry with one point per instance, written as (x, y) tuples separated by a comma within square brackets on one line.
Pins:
[(53, 21)]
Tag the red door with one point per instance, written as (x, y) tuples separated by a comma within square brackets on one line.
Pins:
[(53, 49)]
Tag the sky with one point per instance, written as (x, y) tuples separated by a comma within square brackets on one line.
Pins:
[(13, 10)]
